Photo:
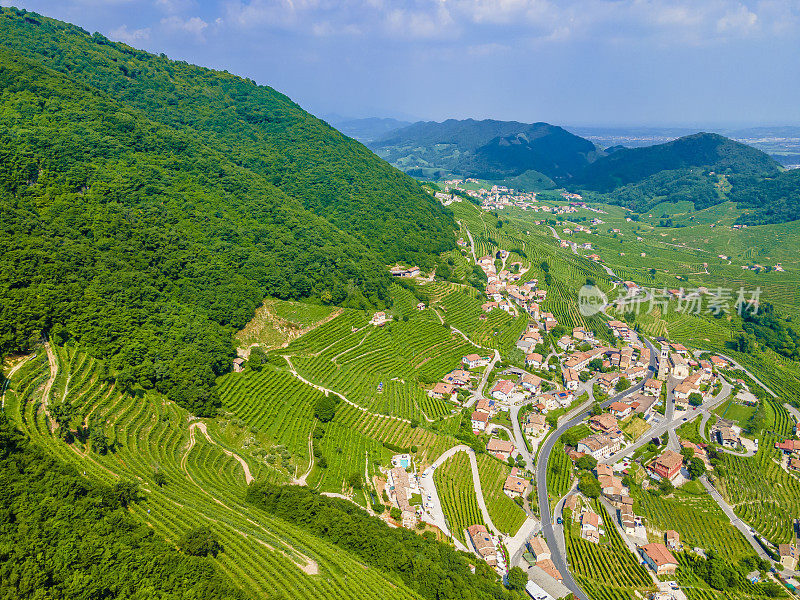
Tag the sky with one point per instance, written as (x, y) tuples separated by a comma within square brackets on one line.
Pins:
[(574, 62)]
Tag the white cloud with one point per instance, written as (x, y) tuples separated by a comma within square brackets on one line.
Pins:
[(123, 34), (174, 6), (740, 19), (194, 26)]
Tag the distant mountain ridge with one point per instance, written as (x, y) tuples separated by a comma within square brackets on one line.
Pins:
[(488, 149), (707, 150)]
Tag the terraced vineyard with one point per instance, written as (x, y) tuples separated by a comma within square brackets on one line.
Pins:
[(761, 492), (381, 369), (608, 570), (204, 485), (697, 518), (453, 481), (505, 513), (275, 403)]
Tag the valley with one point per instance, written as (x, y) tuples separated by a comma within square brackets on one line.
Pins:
[(245, 357)]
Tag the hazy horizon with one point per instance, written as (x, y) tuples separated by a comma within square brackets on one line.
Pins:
[(581, 63)]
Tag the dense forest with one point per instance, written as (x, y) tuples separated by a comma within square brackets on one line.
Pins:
[(488, 149), (148, 206), (694, 185), (142, 243), (65, 537), (255, 127), (773, 199), (432, 569), (708, 150)]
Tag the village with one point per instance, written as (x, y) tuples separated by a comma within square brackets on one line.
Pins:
[(632, 394)]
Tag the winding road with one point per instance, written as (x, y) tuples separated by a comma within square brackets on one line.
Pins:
[(553, 532)]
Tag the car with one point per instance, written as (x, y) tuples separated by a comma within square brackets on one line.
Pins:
[(684, 418), (559, 520)]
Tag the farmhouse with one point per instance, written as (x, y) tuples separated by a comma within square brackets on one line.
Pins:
[(487, 406), (673, 539), (502, 389), (400, 485), (607, 380), (378, 319), (483, 544), (668, 465), (515, 486), (457, 377), (479, 421), (788, 555), (604, 423), (473, 361), (538, 548), (590, 526), (788, 446), (533, 360), (502, 449), (238, 365), (443, 390), (659, 558), (620, 409)]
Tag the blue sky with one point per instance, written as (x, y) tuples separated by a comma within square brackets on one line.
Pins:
[(578, 62)]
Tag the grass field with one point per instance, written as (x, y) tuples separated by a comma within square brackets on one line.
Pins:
[(454, 485), (559, 473), (505, 513), (205, 486)]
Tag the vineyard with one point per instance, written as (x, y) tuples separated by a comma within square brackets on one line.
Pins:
[(204, 485), (382, 369), (761, 492), (559, 473), (697, 518), (504, 512), (277, 404), (608, 570), (453, 480)]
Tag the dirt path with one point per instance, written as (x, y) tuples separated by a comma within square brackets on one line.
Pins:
[(327, 391), (53, 362), (248, 477), (302, 479), (10, 374)]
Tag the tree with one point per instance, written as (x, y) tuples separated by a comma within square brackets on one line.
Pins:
[(623, 384), (256, 359), (687, 453), (200, 541), (395, 513), (97, 435), (325, 407), (159, 478), (62, 414), (665, 485), (695, 399), (696, 467), (597, 409), (586, 462), (589, 485), (125, 492), (517, 579)]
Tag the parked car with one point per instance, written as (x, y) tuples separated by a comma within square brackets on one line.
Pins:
[(559, 520)]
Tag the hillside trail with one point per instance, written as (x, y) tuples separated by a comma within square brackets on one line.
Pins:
[(53, 363), (302, 479), (328, 391), (248, 477), (10, 374), (471, 242)]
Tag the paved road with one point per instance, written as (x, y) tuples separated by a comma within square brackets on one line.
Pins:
[(735, 521), (478, 393), (553, 533), (471, 243)]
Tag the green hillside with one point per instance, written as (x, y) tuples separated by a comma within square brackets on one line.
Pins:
[(485, 149), (708, 150), (774, 199), (254, 127)]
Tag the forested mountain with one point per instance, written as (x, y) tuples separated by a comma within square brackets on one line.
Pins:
[(256, 128), (706, 150), (487, 149), (147, 207), (774, 199)]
